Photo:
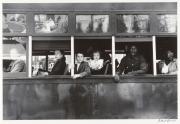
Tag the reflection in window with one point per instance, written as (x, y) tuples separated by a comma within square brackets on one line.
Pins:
[(167, 23), (14, 54), (14, 23), (92, 23), (83, 24), (100, 23), (51, 23), (38, 62), (133, 23)]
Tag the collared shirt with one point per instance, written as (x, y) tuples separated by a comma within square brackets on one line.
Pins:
[(170, 68), (96, 64), (78, 64)]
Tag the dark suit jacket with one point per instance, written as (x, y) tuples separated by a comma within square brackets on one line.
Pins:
[(83, 70), (59, 67)]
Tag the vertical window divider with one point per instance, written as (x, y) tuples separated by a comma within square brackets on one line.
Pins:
[(154, 55), (29, 56), (113, 56), (72, 56)]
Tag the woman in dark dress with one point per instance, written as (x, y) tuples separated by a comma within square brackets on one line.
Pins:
[(60, 64)]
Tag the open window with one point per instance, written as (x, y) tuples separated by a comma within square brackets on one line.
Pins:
[(102, 64), (144, 50), (164, 46), (43, 51), (14, 56)]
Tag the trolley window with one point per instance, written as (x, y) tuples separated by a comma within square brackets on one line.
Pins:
[(14, 56), (45, 59), (50, 23), (92, 23), (14, 23), (97, 52)]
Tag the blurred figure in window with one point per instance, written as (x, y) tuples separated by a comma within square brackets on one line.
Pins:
[(16, 65), (96, 64), (169, 64), (6, 28)]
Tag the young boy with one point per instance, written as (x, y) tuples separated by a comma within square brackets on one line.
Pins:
[(82, 68)]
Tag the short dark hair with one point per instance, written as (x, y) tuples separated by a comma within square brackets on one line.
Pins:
[(61, 51), (79, 53)]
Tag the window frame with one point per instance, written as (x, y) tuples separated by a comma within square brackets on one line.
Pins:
[(51, 34), (17, 34), (7, 75), (30, 32)]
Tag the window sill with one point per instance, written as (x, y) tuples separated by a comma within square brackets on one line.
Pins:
[(67, 79)]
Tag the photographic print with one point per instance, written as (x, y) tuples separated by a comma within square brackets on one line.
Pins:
[(80, 61)]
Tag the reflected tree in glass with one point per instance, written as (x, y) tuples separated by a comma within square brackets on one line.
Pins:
[(100, 23), (142, 23), (167, 23), (51, 23), (83, 24), (14, 23), (133, 23)]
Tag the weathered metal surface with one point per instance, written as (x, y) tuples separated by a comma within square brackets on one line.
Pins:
[(54, 99), (170, 6)]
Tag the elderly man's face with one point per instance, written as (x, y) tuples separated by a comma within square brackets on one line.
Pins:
[(133, 50)]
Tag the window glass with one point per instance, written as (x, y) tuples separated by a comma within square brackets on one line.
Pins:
[(92, 23), (133, 23), (14, 54), (48, 23), (14, 23), (83, 24), (100, 23), (167, 23), (38, 62)]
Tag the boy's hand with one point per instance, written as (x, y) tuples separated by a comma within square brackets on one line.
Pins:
[(76, 76), (116, 78)]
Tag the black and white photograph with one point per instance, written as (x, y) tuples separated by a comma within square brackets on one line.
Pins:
[(86, 61)]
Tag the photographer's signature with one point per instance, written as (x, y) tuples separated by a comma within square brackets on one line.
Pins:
[(167, 120)]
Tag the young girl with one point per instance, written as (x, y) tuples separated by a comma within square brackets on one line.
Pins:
[(96, 64)]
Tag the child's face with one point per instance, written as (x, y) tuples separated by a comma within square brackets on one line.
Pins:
[(80, 57), (96, 56)]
